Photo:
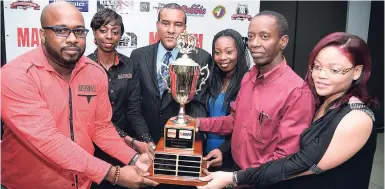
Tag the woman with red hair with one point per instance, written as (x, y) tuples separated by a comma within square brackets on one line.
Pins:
[(337, 150)]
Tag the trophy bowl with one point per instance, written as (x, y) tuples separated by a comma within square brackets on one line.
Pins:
[(184, 74)]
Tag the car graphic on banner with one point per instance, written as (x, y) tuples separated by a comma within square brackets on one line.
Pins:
[(242, 13), (20, 4)]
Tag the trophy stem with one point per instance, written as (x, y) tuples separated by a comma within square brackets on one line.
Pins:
[(180, 119)]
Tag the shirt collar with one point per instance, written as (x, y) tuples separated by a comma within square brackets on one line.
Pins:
[(270, 75), (162, 51), (117, 58), (40, 60)]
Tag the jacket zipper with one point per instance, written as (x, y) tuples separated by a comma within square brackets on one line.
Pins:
[(72, 127)]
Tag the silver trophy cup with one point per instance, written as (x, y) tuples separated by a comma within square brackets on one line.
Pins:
[(184, 74), (178, 155)]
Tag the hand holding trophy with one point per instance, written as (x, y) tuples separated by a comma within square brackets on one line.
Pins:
[(178, 155)]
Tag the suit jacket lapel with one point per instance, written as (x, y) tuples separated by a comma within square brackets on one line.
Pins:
[(151, 64)]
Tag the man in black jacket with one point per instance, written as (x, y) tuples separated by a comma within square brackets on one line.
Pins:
[(157, 104)]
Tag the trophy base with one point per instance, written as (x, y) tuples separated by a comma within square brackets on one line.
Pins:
[(182, 122), (164, 155), (175, 180)]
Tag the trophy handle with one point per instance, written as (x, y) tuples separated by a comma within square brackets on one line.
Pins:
[(204, 79), (164, 77)]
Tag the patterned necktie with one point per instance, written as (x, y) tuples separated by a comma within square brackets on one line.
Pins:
[(161, 84)]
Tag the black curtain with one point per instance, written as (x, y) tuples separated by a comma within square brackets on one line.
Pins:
[(3, 58), (3, 55), (376, 45)]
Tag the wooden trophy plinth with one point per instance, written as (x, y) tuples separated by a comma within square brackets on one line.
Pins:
[(178, 157)]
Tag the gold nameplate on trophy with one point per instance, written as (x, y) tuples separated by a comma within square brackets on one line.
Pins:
[(178, 155)]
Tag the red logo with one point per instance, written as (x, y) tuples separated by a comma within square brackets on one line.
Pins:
[(194, 10), (20, 4), (154, 38), (28, 37), (171, 133)]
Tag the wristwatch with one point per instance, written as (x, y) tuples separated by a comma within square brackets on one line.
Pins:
[(235, 179), (134, 159)]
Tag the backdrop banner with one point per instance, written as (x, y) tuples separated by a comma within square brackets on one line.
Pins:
[(204, 19)]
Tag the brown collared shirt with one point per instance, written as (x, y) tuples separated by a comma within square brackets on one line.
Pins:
[(124, 94)]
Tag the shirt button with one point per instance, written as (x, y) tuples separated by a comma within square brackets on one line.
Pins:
[(112, 103), (109, 79), (112, 91)]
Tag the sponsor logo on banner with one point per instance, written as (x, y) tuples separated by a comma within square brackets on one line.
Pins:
[(128, 40), (242, 13), (154, 38), (144, 6), (158, 7), (186, 134), (20, 4), (82, 5), (219, 11), (194, 10), (28, 37), (120, 6), (171, 133)]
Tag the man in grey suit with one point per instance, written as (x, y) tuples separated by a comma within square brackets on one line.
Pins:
[(157, 104)]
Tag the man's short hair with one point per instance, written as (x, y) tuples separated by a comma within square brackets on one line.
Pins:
[(173, 6), (279, 19), (107, 16)]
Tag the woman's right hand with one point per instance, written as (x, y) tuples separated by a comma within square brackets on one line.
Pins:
[(214, 158)]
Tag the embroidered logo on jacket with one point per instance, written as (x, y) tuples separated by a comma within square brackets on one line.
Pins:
[(87, 88), (125, 76), (87, 91)]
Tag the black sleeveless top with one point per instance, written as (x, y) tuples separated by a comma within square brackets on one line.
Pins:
[(314, 141)]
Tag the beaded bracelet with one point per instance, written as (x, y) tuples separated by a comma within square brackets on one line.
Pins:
[(117, 174)]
